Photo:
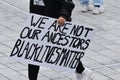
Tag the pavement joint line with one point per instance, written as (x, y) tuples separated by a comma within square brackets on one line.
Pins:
[(110, 65), (5, 76), (6, 27), (13, 7), (13, 70), (105, 76)]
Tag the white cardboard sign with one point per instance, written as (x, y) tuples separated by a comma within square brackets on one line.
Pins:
[(43, 42)]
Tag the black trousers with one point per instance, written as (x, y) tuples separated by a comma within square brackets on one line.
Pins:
[(33, 70)]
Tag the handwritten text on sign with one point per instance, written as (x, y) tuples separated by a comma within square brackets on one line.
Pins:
[(43, 42)]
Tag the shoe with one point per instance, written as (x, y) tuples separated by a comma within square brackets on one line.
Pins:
[(90, 7), (85, 74), (98, 10), (85, 8)]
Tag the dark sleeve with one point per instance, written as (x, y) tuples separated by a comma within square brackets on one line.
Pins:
[(67, 7)]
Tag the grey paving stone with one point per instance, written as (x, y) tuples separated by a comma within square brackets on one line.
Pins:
[(96, 47), (110, 37), (116, 67), (10, 43), (43, 78), (2, 66), (3, 38), (8, 26), (1, 54), (15, 19), (65, 78), (88, 62), (98, 76), (24, 72), (115, 31), (8, 72), (4, 49), (20, 4), (102, 59), (3, 77), (115, 77), (117, 42), (107, 71), (17, 66), (52, 74), (114, 56), (7, 60), (18, 77), (114, 47)]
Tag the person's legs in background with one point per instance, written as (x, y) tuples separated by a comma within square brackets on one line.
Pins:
[(33, 71), (98, 6), (85, 6)]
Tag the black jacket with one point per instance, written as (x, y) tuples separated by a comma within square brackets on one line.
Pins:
[(54, 8)]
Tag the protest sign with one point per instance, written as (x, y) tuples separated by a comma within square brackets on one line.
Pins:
[(43, 42)]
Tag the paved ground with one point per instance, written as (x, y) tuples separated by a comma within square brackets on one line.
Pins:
[(103, 56)]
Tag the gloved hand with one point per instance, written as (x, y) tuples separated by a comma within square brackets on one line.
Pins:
[(61, 21)]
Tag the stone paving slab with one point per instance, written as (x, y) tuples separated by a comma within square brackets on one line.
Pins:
[(103, 56)]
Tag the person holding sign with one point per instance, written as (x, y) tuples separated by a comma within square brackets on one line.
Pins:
[(62, 10)]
